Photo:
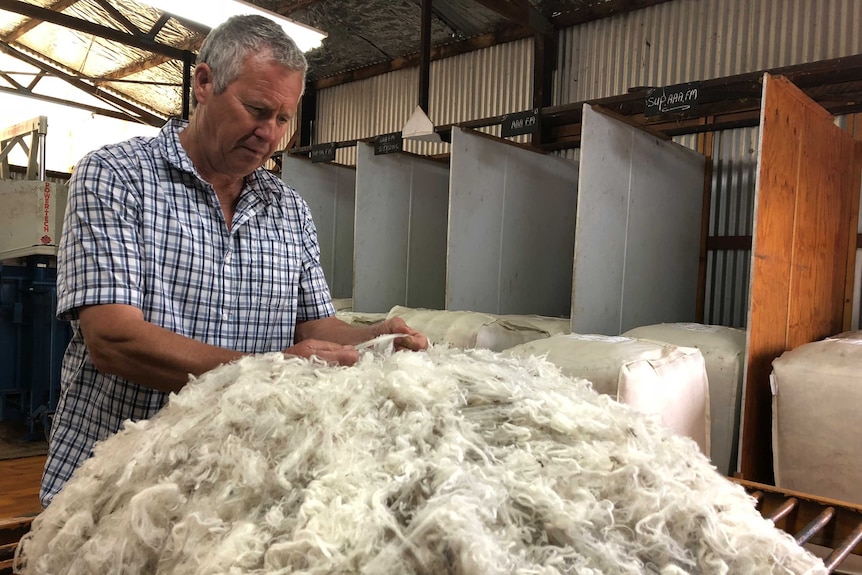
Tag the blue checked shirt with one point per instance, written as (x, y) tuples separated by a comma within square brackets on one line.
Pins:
[(143, 229)]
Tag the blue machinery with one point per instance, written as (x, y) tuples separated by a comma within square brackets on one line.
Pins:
[(32, 341)]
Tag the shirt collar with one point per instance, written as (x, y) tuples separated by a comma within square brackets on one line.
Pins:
[(168, 141)]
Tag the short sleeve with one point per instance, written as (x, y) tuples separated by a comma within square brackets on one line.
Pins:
[(98, 260)]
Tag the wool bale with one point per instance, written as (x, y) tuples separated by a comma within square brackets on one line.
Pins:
[(723, 350), (467, 329), (549, 325), (342, 304), (445, 462), (360, 318), (651, 377), (816, 393)]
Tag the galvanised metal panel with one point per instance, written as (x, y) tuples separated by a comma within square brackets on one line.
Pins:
[(688, 40), (330, 194), (511, 228), (638, 229), (399, 257)]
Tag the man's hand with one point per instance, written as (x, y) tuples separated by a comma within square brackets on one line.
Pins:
[(326, 350), (412, 340)]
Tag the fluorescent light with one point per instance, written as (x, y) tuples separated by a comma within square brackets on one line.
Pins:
[(214, 12), (420, 127)]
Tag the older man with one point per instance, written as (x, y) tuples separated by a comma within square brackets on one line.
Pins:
[(180, 252)]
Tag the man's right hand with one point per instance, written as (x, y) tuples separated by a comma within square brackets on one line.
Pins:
[(326, 350)]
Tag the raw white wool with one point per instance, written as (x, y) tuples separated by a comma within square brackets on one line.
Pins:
[(468, 329), (666, 380), (459, 462)]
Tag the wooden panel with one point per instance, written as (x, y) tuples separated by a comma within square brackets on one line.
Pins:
[(853, 289), (800, 248), (19, 486)]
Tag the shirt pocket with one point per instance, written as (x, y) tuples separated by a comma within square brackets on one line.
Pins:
[(275, 275)]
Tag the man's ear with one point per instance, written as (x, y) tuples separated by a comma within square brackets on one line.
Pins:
[(203, 82)]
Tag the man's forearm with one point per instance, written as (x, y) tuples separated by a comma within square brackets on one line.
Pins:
[(123, 344), (337, 331)]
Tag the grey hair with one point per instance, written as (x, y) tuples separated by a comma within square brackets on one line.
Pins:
[(227, 45)]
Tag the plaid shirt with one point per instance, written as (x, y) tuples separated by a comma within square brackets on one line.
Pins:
[(142, 228)]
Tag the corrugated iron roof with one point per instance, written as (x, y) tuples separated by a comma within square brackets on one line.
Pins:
[(131, 56)]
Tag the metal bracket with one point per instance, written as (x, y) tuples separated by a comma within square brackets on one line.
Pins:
[(15, 135)]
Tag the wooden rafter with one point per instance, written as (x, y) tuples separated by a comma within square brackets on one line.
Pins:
[(601, 10), (192, 44), (119, 17), (520, 12), (287, 8), (137, 41), (31, 23), (131, 111)]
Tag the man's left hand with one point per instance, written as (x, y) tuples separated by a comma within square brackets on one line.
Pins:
[(412, 340)]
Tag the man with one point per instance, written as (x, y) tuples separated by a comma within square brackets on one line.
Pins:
[(180, 252)]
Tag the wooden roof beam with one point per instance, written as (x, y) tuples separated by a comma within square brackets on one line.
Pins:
[(31, 23), (192, 44), (603, 10), (520, 12), (137, 41), (134, 113)]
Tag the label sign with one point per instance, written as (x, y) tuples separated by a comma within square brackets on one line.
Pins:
[(520, 123), (671, 99), (388, 143), (323, 153)]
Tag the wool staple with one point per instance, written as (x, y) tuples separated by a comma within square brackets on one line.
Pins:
[(446, 461)]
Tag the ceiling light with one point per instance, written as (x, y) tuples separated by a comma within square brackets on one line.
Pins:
[(214, 12), (420, 127)]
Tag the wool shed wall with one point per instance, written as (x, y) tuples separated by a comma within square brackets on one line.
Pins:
[(673, 42)]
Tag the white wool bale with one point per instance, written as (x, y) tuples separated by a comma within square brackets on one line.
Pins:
[(360, 318), (467, 329), (549, 325), (723, 350), (666, 380), (440, 462), (816, 394), (343, 304)]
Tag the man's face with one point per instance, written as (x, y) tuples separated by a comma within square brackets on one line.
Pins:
[(244, 124)]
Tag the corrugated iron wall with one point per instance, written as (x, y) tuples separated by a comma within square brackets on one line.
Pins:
[(734, 170), (479, 84), (688, 40), (671, 43)]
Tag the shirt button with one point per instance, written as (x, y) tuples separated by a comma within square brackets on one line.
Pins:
[(225, 316), (227, 258)]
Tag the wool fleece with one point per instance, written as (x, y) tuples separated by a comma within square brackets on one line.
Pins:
[(445, 461)]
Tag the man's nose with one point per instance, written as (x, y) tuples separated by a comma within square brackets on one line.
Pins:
[(268, 130)]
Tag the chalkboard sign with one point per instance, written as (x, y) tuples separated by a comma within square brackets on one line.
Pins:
[(323, 153), (672, 99), (520, 123), (388, 143)]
